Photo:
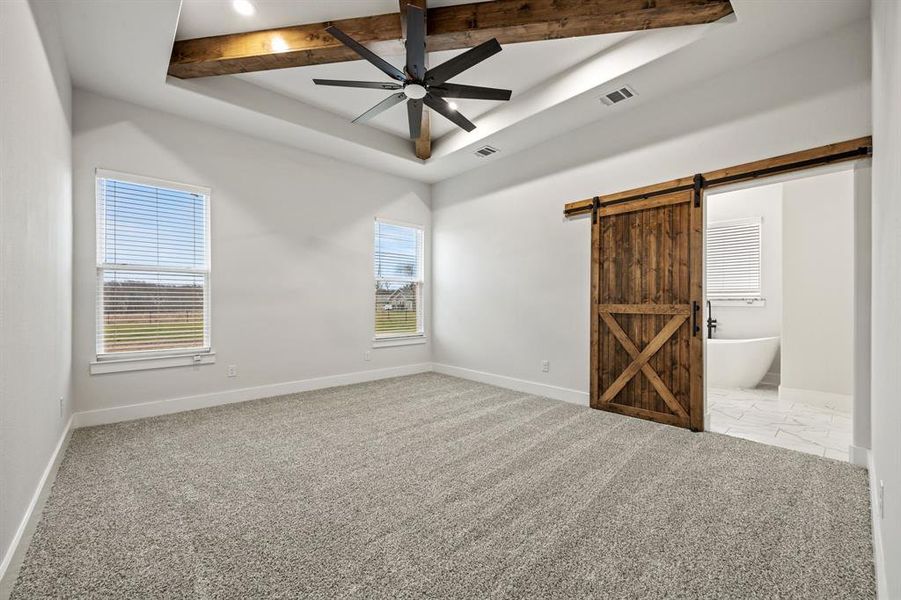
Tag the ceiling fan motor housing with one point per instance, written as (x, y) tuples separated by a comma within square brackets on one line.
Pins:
[(414, 91)]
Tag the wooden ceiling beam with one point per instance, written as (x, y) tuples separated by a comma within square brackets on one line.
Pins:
[(449, 28)]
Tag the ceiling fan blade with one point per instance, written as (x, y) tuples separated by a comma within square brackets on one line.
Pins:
[(415, 42), (381, 107), (375, 85), (414, 113), (444, 109), (475, 92), (461, 62), (383, 65)]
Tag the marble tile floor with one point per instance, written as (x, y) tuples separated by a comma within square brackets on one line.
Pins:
[(758, 415)]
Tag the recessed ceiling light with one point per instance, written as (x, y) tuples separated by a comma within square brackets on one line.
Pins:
[(453, 105), (243, 7), (279, 44)]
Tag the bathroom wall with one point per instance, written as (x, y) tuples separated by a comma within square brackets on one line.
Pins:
[(757, 320), (817, 327)]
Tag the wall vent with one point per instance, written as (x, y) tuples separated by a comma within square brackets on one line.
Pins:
[(486, 151), (616, 96)]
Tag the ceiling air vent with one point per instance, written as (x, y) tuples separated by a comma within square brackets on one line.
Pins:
[(486, 151), (623, 93)]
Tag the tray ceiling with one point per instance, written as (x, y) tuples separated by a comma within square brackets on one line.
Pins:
[(556, 84)]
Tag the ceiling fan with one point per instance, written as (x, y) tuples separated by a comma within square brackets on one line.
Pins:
[(417, 84)]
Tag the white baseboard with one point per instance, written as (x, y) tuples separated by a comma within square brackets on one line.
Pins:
[(859, 456), (512, 383), (116, 414), (29, 519), (840, 402), (878, 554), (130, 412)]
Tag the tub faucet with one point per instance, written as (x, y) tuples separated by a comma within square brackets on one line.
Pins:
[(711, 322)]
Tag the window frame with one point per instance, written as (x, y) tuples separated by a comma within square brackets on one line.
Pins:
[(400, 339), (145, 359), (737, 300)]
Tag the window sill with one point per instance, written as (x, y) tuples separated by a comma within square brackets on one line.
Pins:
[(398, 341), (750, 302), (99, 367)]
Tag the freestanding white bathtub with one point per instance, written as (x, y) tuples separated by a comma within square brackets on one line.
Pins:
[(739, 363)]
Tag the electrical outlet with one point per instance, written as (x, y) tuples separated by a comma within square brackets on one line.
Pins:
[(232, 371), (367, 356), (545, 366), (880, 499), (60, 406)]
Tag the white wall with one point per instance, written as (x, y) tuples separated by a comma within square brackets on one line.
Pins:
[(35, 257), (862, 306), (735, 322), (292, 235), (511, 273), (886, 317), (817, 314)]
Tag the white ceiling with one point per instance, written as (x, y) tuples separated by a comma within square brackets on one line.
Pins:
[(202, 18), (556, 84), (519, 67)]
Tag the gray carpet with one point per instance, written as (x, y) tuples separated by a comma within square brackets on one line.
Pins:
[(432, 486)]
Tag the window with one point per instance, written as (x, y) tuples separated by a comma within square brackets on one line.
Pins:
[(733, 260), (153, 268), (398, 280)]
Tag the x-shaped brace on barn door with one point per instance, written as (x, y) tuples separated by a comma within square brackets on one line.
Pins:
[(640, 360)]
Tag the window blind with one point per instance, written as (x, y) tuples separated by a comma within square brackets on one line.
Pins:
[(733, 259), (153, 268), (398, 280)]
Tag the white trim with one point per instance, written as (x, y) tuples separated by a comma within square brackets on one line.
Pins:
[(102, 267), (740, 302), (173, 352), (418, 281), (400, 223), (111, 365), (757, 220), (33, 510), (152, 181), (859, 456), (734, 299), (103, 416), (519, 385), (387, 342), (839, 402), (878, 552)]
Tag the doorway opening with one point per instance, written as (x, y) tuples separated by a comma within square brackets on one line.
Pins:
[(779, 318)]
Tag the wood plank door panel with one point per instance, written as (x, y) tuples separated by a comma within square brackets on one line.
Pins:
[(646, 283)]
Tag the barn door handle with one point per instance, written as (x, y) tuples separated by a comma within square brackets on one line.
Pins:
[(695, 310)]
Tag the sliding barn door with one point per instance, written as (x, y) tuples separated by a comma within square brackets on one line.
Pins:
[(646, 299)]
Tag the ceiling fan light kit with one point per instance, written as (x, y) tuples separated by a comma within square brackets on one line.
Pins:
[(420, 86)]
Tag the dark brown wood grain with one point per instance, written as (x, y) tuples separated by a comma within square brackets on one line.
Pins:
[(595, 278), (696, 292), (449, 28), (641, 350)]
